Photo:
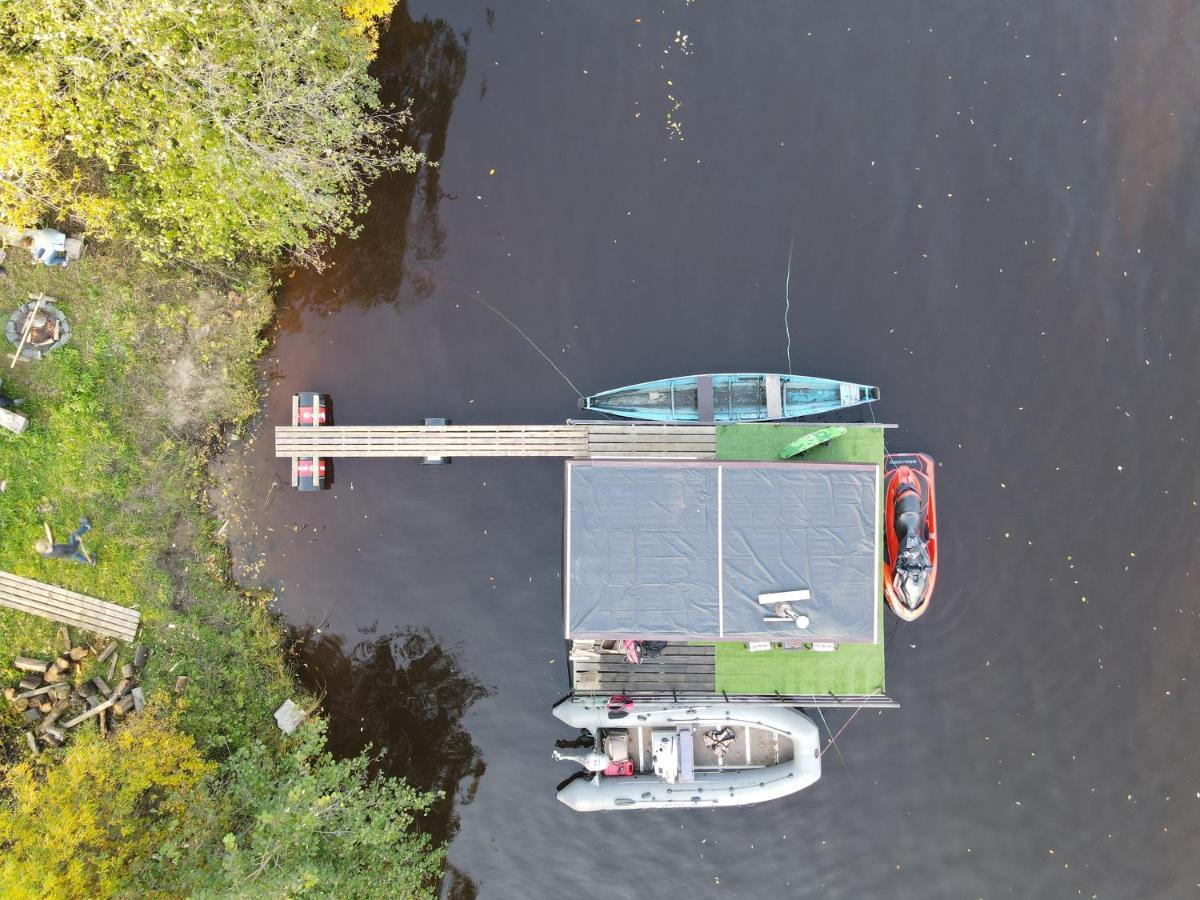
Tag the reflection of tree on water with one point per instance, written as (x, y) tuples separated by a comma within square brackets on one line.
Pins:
[(423, 62), (405, 695)]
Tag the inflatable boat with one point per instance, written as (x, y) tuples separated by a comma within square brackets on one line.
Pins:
[(910, 542), (662, 756)]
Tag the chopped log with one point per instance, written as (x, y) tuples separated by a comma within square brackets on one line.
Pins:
[(79, 653), (139, 656), (44, 706), (127, 670), (124, 686), (107, 651), (102, 686), (31, 742), (62, 663), (51, 741), (54, 731), (20, 705), (29, 664), (123, 706), (54, 675), (139, 699), (181, 684), (64, 638), (30, 682), (56, 711), (61, 691), (31, 715), (95, 710), (87, 689), (10, 694), (36, 692), (112, 668)]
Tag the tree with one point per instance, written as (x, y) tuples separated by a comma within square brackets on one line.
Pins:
[(199, 129), (300, 823), (78, 827)]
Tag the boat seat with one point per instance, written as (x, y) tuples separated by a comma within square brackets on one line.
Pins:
[(704, 398)]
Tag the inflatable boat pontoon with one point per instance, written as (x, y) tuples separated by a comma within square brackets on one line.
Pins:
[(659, 756)]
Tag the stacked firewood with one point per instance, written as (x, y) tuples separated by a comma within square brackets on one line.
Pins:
[(54, 696)]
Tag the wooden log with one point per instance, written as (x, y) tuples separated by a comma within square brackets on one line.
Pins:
[(45, 705), (102, 686), (10, 694), (51, 741), (123, 706), (56, 713), (61, 691), (112, 668), (30, 682), (31, 743), (36, 692), (139, 699), (79, 653), (103, 724), (20, 705), (54, 731), (96, 710), (31, 715), (107, 651), (139, 656), (29, 664), (64, 638), (181, 684), (127, 670), (87, 689), (53, 675), (124, 686)]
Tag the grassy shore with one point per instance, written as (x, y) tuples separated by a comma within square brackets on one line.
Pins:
[(120, 424)]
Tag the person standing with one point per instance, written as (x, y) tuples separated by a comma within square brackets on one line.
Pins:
[(47, 246)]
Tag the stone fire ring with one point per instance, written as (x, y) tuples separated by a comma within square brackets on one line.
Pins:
[(15, 326)]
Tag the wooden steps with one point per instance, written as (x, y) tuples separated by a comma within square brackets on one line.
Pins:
[(598, 440), (680, 667), (68, 607)]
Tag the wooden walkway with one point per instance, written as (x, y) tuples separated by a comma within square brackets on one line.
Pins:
[(679, 667), (594, 440), (67, 607)]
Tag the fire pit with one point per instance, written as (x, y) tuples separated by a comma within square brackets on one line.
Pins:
[(37, 327)]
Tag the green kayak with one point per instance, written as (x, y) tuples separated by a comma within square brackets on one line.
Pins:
[(815, 439)]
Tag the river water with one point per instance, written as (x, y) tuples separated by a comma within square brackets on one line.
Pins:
[(990, 212)]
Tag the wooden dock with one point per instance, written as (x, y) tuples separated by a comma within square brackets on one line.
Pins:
[(576, 440), (679, 667), (68, 607)]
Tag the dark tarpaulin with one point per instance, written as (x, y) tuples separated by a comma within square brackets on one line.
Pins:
[(671, 550)]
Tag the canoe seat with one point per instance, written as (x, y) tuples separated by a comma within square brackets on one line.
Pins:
[(704, 398), (774, 391)]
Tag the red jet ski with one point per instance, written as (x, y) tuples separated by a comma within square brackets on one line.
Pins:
[(910, 545)]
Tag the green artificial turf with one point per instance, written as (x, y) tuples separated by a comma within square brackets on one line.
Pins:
[(852, 668)]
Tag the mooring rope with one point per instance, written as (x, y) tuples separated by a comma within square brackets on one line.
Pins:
[(517, 328), (787, 304)]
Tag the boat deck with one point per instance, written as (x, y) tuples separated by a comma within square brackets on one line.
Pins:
[(753, 748)]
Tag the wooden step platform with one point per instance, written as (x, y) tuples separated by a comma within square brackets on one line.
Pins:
[(68, 607), (679, 667)]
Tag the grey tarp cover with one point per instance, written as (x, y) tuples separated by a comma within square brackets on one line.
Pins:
[(681, 550)]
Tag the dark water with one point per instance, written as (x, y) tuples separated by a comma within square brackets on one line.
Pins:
[(992, 214)]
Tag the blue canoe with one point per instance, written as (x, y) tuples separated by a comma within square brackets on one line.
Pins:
[(730, 398)]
